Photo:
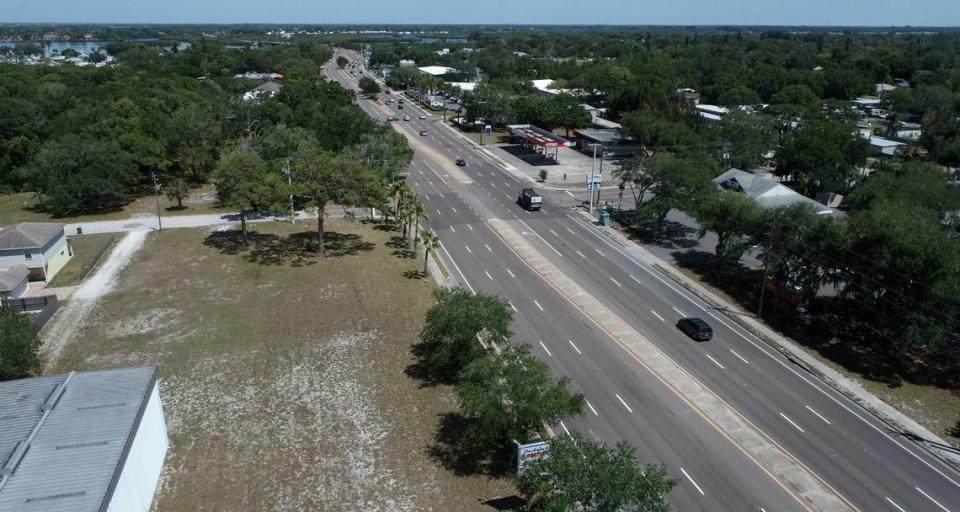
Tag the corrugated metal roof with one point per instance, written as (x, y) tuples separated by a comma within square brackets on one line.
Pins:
[(79, 447), (766, 192), (27, 235)]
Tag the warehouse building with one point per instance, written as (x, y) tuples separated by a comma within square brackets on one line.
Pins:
[(81, 442)]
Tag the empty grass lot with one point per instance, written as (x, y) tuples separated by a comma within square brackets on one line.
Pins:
[(282, 373), (25, 207)]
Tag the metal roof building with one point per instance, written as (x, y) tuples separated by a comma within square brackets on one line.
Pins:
[(81, 442), (766, 192)]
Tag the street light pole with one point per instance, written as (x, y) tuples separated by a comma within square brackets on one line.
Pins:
[(293, 213), (156, 193), (593, 170)]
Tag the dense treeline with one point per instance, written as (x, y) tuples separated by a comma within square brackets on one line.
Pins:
[(90, 139)]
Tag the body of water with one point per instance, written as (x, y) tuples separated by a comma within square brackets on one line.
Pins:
[(56, 47)]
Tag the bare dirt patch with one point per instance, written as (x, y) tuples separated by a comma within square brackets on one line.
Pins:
[(282, 373)]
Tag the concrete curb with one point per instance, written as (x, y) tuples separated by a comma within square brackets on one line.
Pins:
[(850, 388), (782, 467)]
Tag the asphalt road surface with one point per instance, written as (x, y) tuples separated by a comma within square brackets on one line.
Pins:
[(850, 452)]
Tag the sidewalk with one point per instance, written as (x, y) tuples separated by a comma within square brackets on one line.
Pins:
[(796, 354), (149, 223)]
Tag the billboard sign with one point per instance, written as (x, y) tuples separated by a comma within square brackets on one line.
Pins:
[(531, 452)]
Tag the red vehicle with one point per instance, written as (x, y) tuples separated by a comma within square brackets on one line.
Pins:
[(386, 91)]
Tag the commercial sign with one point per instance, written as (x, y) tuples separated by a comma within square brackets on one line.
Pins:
[(531, 452), (593, 187), (596, 178), (488, 130)]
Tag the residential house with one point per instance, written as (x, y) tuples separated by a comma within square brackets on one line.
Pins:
[(885, 147), (766, 192), (263, 91), (40, 246), (711, 112)]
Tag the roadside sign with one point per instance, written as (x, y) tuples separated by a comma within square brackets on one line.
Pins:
[(593, 187), (531, 452), (596, 178), (488, 130)]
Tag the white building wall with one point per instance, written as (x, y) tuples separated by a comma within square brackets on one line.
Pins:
[(140, 474)]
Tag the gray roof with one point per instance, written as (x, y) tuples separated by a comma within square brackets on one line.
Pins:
[(79, 447), (269, 87), (28, 235), (12, 276), (602, 136), (766, 192)]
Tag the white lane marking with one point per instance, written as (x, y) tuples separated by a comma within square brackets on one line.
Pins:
[(591, 408), (488, 275), (514, 308), (462, 277), (543, 210), (538, 305), (468, 249), (420, 171), (784, 416), (738, 356), (545, 349), (488, 248), (509, 197), (574, 347), (426, 197), (441, 195), (441, 178), (817, 414), (469, 227), (570, 230), (581, 254), (692, 481), (599, 252), (554, 233), (898, 507), (624, 403), (439, 212), (616, 283), (657, 315), (569, 193), (453, 229), (715, 361), (540, 237), (564, 427), (635, 279), (511, 273), (935, 502), (454, 209), (681, 313), (506, 183), (492, 184)]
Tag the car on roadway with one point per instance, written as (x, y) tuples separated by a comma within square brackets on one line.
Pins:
[(422, 116), (406, 118), (461, 162), (696, 328), (393, 118), (389, 100), (386, 91), (423, 133)]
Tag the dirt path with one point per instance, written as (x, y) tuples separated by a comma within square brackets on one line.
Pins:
[(68, 321)]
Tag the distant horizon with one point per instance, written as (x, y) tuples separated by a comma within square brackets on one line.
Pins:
[(436, 24), (677, 13)]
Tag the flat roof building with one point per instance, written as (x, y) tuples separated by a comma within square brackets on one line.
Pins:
[(81, 442)]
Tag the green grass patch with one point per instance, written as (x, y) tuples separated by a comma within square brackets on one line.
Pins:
[(87, 252)]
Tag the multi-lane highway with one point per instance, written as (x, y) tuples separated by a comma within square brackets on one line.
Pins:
[(851, 455)]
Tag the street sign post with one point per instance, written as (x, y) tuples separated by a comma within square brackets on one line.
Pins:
[(594, 178)]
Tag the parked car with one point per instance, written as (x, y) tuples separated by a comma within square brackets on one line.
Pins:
[(461, 162), (423, 133), (695, 328), (422, 116)]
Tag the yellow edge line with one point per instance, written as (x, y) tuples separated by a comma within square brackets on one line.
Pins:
[(679, 395)]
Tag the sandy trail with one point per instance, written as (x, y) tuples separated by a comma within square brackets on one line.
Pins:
[(66, 324)]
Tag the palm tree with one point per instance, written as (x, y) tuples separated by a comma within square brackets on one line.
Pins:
[(401, 191), (418, 212), (430, 242)]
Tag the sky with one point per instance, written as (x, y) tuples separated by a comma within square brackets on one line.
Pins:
[(620, 12)]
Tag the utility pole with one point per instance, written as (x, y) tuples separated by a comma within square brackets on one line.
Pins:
[(289, 171), (156, 193), (763, 282)]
